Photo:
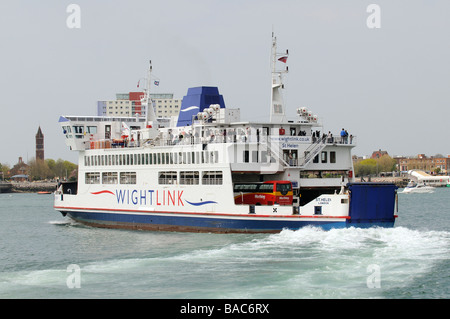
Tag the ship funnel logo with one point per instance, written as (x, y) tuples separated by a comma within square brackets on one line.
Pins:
[(190, 108)]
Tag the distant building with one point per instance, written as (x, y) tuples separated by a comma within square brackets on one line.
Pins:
[(427, 164), (379, 154), (39, 145), (165, 105), (129, 105), (19, 171)]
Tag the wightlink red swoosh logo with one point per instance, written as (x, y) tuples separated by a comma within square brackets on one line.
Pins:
[(102, 192)]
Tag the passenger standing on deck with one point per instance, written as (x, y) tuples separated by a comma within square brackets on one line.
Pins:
[(224, 135), (342, 136)]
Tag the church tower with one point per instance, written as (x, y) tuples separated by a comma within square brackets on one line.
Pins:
[(39, 145)]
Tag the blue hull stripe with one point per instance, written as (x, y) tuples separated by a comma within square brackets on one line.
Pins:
[(201, 203), (207, 224)]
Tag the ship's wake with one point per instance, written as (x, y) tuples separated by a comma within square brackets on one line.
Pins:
[(307, 263)]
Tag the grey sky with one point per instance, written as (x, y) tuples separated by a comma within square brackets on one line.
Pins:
[(390, 86)]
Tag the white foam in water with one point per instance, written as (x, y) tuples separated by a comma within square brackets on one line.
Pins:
[(348, 257), (331, 264), (60, 222), (66, 222), (116, 265), (307, 263), (23, 284)]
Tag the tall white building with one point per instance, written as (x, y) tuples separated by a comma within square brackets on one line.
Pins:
[(165, 105), (129, 105)]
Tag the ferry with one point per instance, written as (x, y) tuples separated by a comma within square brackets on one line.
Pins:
[(208, 171), (420, 177)]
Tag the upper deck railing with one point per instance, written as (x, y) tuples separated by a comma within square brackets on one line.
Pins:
[(220, 136)]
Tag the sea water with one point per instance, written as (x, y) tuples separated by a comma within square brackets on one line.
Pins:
[(45, 255)]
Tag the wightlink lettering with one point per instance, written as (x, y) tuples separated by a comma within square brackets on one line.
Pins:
[(149, 197)]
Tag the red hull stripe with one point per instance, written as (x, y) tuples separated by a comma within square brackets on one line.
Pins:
[(192, 213)]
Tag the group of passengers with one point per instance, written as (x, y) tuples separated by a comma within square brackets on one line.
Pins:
[(328, 138), (245, 135)]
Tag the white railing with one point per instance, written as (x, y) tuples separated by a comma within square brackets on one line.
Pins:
[(226, 136)]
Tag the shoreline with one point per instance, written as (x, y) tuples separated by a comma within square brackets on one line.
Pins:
[(399, 181), (44, 186), (33, 187)]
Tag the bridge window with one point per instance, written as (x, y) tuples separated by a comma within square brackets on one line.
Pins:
[(91, 129), (78, 129)]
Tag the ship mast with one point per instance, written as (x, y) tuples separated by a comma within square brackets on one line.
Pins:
[(151, 117), (277, 112)]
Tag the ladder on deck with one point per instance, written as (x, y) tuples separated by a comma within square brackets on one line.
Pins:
[(312, 151), (276, 154)]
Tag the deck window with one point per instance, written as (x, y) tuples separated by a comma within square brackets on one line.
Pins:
[(167, 178), (127, 177), (246, 156), (189, 178), (324, 157), (92, 178), (212, 178), (332, 157), (109, 178), (316, 159), (255, 158)]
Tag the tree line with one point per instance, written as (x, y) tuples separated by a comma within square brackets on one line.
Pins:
[(372, 166), (41, 170)]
